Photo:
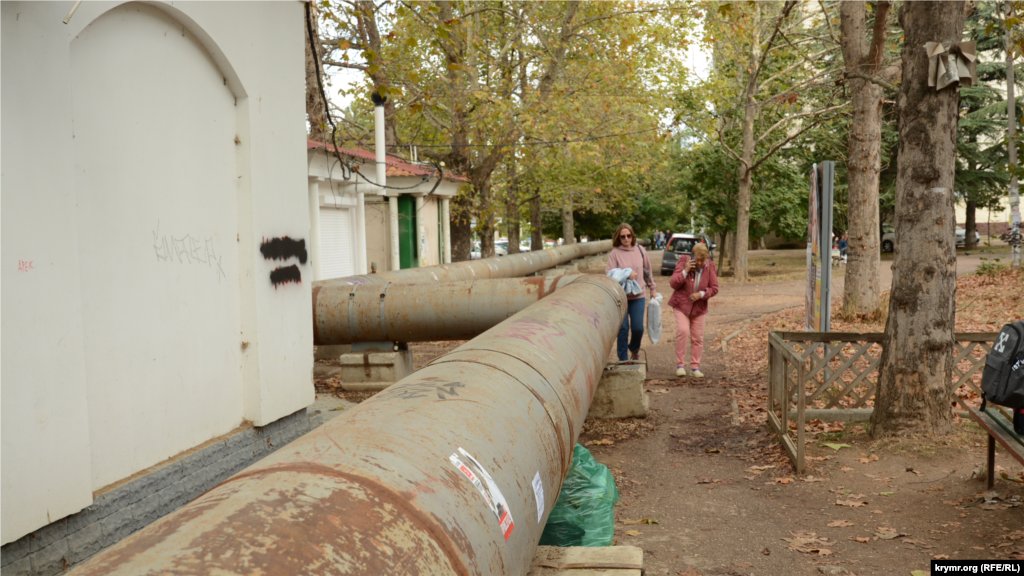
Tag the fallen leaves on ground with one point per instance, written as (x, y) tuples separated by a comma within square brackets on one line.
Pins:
[(885, 533), (809, 543), (633, 533), (852, 503), (840, 524), (836, 446), (688, 572), (867, 460), (640, 521), (618, 428), (602, 442)]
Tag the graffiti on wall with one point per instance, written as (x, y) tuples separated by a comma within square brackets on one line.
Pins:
[(283, 249), (187, 249)]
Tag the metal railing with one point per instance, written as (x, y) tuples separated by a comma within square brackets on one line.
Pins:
[(837, 373)]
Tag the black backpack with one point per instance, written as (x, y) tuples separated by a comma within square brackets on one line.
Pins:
[(1003, 380)]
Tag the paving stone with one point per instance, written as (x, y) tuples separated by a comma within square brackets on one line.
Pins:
[(50, 560), (22, 567), (114, 500), (146, 486), (238, 441), (14, 551), (47, 535), (86, 542), (191, 463), (117, 526)]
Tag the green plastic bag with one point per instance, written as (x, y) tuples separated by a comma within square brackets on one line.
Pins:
[(584, 514)]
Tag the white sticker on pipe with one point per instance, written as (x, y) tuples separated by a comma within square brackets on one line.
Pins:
[(538, 492), (487, 487)]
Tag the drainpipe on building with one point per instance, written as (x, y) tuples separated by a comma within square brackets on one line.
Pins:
[(314, 227), (446, 230), (360, 230), (382, 177)]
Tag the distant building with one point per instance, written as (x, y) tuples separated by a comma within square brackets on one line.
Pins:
[(335, 229)]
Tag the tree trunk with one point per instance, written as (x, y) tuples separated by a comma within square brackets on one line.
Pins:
[(536, 225), (740, 245), (1011, 137), (461, 229), (915, 384), (746, 176), (512, 210), (971, 225), (723, 237), (319, 130), (483, 192), (568, 226), (862, 288), (730, 239)]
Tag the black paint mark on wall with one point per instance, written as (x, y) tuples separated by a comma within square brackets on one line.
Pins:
[(284, 275), (283, 249)]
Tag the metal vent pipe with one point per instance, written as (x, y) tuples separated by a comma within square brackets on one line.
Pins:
[(452, 470), (423, 312), (513, 266)]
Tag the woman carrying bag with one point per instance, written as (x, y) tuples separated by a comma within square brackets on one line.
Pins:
[(627, 254), (695, 281)]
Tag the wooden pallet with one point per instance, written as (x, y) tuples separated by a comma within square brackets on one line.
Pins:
[(583, 561)]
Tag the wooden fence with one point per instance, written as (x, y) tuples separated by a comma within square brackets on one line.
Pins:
[(826, 371)]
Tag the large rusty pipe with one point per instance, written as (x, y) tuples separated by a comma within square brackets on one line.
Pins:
[(422, 312), (522, 264), (452, 470)]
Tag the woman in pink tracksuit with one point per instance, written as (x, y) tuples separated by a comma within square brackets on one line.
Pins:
[(695, 281)]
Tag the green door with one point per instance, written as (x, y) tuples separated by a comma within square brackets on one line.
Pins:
[(407, 232)]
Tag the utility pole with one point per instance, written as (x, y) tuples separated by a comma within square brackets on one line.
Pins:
[(1011, 142)]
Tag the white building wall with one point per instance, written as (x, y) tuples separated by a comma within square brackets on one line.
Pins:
[(149, 151)]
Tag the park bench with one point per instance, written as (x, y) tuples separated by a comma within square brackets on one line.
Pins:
[(1000, 429)]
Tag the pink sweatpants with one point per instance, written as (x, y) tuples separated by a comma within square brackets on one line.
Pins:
[(689, 329)]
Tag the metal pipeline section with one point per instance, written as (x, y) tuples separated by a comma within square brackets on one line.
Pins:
[(513, 266), (423, 312), (452, 470)]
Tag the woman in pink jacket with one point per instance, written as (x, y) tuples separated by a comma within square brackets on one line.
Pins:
[(627, 254), (695, 281)]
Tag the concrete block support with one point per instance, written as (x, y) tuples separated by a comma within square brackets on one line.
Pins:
[(374, 370), (620, 393)]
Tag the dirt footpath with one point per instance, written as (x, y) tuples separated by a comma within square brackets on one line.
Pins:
[(723, 499)]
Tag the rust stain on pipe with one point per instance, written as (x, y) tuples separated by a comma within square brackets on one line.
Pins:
[(343, 314), (432, 476)]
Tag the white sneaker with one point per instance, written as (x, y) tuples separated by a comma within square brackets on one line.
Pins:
[(695, 373), (680, 372)]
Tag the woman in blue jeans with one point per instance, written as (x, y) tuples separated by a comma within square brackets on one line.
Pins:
[(627, 254)]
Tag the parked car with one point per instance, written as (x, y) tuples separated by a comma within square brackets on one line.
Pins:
[(681, 244), (961, 237), (501, 248), (888, 237)]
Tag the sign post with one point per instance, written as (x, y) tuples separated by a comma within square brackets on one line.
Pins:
[(818, 299)]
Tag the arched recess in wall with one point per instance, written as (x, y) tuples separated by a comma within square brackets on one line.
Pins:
[(156, 177)]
